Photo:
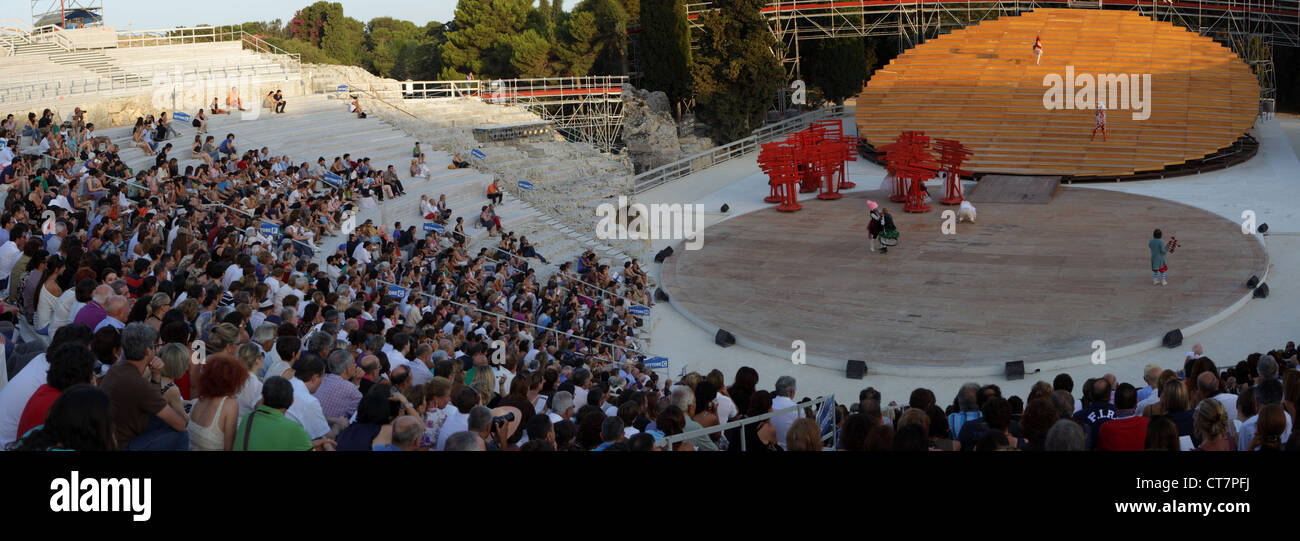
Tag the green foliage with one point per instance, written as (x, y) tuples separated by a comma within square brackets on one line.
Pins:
[(481, 39), (310, 53), (736, 75), (666, 48), (532, 55), (837, 68), (610, 38)]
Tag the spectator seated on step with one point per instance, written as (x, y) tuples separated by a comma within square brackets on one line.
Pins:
[(419, 170), (355, 107), (458, 163)]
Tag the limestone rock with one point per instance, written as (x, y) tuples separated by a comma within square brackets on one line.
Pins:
[(650, 135)]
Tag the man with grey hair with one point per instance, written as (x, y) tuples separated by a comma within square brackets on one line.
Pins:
[(611, 435), (465, 441), (338, 393), (1065, 435), (264, 338), (407, 430), (93, 312), (480, 423), (968, 404), (561, 407), (118, 308), (784, 398), (1267, 369), (422, 365), (320, 343), (1150, 374), (144, 420), (684, 398), (1207, 388)]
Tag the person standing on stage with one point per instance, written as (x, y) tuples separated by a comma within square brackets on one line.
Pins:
[(1101, 123), (1158, 265), (1038, 49), (880, 222)]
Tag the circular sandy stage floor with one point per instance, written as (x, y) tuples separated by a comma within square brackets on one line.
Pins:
[(1033, 282)]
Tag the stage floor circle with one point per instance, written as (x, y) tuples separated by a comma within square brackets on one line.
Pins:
[(1033, 282)]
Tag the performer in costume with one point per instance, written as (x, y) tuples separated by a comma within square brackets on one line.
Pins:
[(1158, 264), (881, 228), (1101, 124)]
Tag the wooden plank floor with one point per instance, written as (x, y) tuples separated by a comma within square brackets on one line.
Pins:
[(1032, 282), (1014, 189)]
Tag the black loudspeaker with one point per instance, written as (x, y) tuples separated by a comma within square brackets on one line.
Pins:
[(664, 254), (1173, 338), (1015, 370), (726, 208), (724, 338), (855, 370), (1261, 291), (1263, 228), (661, 295), (1252, 282)]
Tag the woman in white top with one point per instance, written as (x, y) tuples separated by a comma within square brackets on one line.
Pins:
[(48, 298), (68, 304), (215, 416)]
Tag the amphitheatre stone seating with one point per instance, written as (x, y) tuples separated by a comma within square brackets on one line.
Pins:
[(981, 86), (316, 126)]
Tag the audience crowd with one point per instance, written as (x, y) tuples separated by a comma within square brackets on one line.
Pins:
[(161, 308)]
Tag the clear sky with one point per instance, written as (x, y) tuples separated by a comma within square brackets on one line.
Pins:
[(150, 14)]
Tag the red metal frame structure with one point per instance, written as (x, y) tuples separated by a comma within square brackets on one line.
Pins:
[(951, 156), (910, 163), (811, 160), (1249, 27)]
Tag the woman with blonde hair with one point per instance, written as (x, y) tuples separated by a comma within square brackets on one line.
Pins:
[(176, 360), (1213, 428), (158, 305), (804, 435)]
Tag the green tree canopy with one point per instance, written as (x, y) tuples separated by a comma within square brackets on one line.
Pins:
[(736, 74)]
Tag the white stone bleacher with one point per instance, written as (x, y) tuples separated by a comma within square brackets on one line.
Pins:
[(189, 57), (447, 124), (314, 127)]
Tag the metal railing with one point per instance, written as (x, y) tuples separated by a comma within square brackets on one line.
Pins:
[(669, 172), (550, 91), (206, 34), (110, 85), (704, 432)]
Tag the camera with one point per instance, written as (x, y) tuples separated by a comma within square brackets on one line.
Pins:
[(501, 420)]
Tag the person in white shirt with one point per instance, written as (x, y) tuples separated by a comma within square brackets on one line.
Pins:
[(251, 393), (14, 396), (10, 252), (421, 371), (458, 417), (1207, 387), (1196, 352), (1266, 393), (361, 254), (784, 398), (306, 409), (561, 407), (581, 384)]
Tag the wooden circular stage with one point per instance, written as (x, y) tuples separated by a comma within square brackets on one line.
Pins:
[(1031, 282), (981, 86)]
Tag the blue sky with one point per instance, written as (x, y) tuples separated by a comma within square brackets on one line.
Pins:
[(150, 14)]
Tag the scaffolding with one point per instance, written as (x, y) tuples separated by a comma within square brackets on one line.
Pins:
[(67, 13), (583, 109), (1251, 28)]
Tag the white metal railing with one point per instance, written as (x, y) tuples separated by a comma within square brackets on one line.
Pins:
[(111, 84), (508, 91), (207, 34), (703, 432), (669, 172)]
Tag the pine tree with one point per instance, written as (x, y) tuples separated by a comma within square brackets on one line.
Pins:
[(665, 48), (736, 73), (482, 38), (838, 68)]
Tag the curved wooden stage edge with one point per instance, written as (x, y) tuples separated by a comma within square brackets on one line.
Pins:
[(981, 86), (1031, 282)]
